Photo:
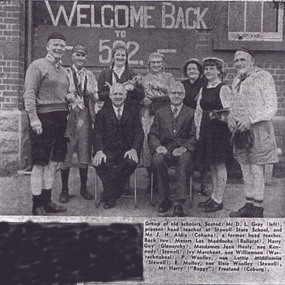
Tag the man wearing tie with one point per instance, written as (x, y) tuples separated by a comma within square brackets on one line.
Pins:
[(172, 142), (82, 96), (117, 141)]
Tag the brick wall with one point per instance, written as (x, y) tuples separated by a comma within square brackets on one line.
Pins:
[(12, 50), (12, 47)]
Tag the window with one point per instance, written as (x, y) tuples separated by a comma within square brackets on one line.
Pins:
[(255, 21)]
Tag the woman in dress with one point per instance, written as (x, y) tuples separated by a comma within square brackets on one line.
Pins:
[(119, 72), (213, 134), (193, 70), (156, 87)]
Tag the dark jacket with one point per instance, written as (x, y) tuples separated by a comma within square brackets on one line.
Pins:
[(161, 132), (192, 91), (112, 135), (135, 95)]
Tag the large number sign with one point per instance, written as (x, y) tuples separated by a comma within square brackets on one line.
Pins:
[(168, 27)]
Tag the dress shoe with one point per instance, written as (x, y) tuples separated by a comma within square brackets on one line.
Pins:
[(164, 206), (51, 207), (204, 191), (85, 194), (213, 207), (244, 212), (63, 197), (178, 211), (39, 211), (109, 204), (258, 212), (205, 203)]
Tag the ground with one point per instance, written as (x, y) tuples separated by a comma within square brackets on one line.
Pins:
[(16, 198)]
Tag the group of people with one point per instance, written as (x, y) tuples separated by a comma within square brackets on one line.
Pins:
[(154, 120)]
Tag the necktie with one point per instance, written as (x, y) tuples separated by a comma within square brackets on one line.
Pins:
[(79, 77), (57, 65), (175, 112), (119, 114)]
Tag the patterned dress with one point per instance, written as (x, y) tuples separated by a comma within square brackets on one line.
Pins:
[(156, 88)]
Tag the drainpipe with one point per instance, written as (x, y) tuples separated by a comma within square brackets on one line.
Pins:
[(29, 32)]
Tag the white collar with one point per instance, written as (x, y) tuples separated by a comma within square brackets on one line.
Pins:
[(116, 108), (82, 70), (178, 107), (214, 83), (51, 59)]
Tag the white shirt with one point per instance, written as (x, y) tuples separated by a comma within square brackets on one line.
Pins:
[(119, 72), (116, 110), (178, 109)]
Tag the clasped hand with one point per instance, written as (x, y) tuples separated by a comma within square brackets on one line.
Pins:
[(242, 124)]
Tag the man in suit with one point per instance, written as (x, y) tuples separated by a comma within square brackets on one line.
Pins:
[(118, 139), (172, 142)]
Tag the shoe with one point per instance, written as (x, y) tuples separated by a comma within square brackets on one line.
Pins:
[(51, 207), (63, 197), (85, 194), (205, 203), (178, 211), (213, 207), (258, 212), (109, 204), (204, 191), (38, 209), (244, 212), (164, 206)]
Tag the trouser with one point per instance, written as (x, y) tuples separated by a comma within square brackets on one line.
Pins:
[(183, 166), (114, 173)]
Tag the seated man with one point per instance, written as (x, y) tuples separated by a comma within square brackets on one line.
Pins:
[(117, 142), (172, 141)]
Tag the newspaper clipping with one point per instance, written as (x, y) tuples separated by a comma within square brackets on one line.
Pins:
[(194, 197)]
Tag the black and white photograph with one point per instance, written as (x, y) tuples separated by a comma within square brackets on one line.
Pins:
[(156, 125)]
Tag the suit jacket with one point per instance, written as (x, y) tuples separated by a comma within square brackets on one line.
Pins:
[(161, 132), (107, 127), (106, 76)]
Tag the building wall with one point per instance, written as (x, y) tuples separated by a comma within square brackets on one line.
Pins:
[(12, 51), (14, 142)]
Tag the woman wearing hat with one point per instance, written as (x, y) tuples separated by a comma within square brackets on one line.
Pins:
[(213, 134), (156, 85), (119, 72), (193, 70)]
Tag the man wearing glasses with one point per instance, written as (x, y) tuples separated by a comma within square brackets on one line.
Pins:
[(172, 142)]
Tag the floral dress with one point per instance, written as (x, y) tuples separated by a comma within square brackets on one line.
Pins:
[(156, 88)]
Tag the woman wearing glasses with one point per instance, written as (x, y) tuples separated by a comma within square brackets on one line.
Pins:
[(156, 85)]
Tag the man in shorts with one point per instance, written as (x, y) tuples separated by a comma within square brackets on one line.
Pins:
[(253, 107), (46, 86)]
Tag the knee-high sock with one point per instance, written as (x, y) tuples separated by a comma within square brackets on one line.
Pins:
[(37, 179), (49, 174), (258, 183), (248, 182), (221, 177)]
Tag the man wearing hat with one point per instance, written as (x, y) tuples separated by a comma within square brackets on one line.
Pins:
[(253, 107), (46, 86), (82, 96)]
